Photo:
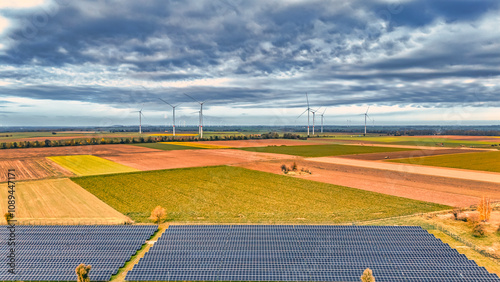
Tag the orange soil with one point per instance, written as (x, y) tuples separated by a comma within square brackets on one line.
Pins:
[(189, 158), (262, 143), (436, 189), (34, 168), (406, 154)]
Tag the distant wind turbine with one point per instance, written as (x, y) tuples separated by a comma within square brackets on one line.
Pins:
[(173, 114), (314, 116), (140, 118), (308, 110), (366, 116), (322, 118), (200, 129)]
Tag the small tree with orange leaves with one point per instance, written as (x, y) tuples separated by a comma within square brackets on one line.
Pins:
[(158, 215), (484, 208), (367, 276), (82, 273)]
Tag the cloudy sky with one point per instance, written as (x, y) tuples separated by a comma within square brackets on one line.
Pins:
[(93, 62)]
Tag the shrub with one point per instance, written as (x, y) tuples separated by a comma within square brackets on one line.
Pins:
[(478, 230), (456, 212), (367, 276), (82, 272), (498, 230), (294, 166), (284, 168), (484, 209)]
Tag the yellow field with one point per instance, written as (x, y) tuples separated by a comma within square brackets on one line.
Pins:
[(90, 165), (197, 145), (58, 201)]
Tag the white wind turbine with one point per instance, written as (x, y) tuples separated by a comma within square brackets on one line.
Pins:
[(200, 129), (308, 110), (140, 118), (314, 117), (366, 116), (322, 118), (173, 114)]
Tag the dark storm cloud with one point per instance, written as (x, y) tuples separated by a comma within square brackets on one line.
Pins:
[(252, 43)]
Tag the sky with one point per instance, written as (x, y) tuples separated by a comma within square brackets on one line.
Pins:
[(95, 62)]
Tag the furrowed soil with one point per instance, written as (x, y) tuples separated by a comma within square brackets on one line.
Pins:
[(33, 168)]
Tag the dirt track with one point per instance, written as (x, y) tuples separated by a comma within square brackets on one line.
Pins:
[(436, 189)]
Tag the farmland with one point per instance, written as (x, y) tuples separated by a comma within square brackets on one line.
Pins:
[(58, 201), (485, 161), (90, 165), (33, 168), (198, 145), (226, 194), (323, 150), (165, 146)]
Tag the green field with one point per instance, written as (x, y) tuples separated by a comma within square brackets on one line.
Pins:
[(225, 194), (485, 161), (415, 141), (322, 150), (165, 147), (90, 165)]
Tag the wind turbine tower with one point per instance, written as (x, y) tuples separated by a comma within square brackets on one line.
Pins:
[(140, 118), (308, 110), (322, 118), (314, 117), (200, 129), (366, 116), (173, 114)]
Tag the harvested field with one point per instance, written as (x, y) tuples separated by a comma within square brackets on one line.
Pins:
[(197, 145), (73, 150), (164, 146), (58, 201), (484, 161), (261, 143), (90, 165), (436, 189), (189, 158), (323, 150), (406, 154), (237, 195), (35, 168)]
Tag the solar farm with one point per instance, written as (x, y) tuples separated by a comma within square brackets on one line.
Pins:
[(233, 215)]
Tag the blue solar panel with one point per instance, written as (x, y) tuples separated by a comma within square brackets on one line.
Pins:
[(51, 253), (303, 253)]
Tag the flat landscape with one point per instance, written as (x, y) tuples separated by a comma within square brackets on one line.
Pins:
[(226, 194), (322, 150), (90, 165), (58, 201), (32, 168), (484, 161)]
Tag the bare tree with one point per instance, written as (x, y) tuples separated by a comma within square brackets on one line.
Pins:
[(82, 273), (367, 276), (484, 208), (158, 215)]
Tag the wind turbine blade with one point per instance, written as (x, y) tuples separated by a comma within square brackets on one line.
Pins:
[(307, 98), (367, 109), (166, 102), (324, 112), (303, 113), (192, 98)]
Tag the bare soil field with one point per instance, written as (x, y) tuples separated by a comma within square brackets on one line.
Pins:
[(189, 158), (262, 143), (406, 154), (467, 138), (33, 168), (456, 173), (58, 201), (118, 149), (435, 189)]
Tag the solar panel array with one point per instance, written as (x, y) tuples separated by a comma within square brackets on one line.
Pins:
[(303, 253), (51, 253)]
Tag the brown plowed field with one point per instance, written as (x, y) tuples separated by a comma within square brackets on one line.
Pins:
[(33, 168), (406, 154), (442, 190), (190, 158), (118, 149), (263, 143)]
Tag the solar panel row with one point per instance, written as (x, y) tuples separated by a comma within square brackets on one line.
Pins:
[(303, 253), (51, 253)]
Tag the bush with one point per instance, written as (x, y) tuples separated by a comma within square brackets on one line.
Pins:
[(473, 218), (498, 230), (367, 276), (456, 212), (478, 230)]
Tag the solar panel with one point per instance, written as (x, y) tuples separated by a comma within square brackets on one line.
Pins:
[(303, 253), (51, 253)]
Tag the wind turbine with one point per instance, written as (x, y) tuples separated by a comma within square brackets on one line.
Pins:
[(366, 116), (173, 114), (308, 110), (140, 118), (322, 118), (314, 116), (200, 129)]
